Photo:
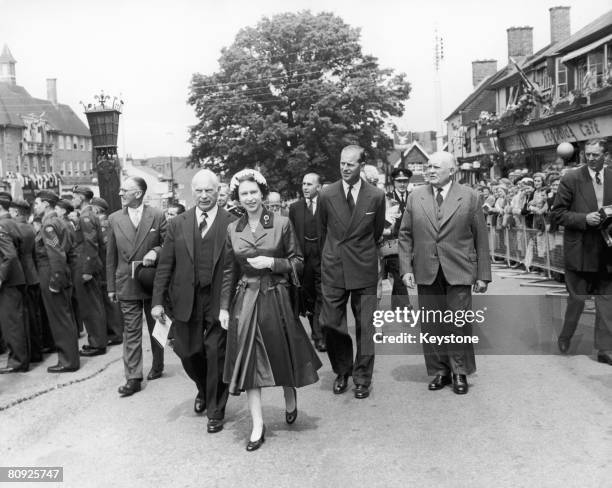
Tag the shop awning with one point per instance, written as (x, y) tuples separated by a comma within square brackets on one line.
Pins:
[(585, 49)]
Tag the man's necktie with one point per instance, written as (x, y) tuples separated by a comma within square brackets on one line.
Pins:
[(439, 197), (349, 199), (135, 218), (310, 209), (597, 178), (203, 224)]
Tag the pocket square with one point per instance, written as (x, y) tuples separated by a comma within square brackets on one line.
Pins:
[(370, 213), (153, 230)]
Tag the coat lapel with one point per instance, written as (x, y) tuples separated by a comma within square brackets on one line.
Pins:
[(451, 203), (144, 226), (339, 204), (126, 227), (220, 232), (427, 202), (586, 189), (607, 198), (189, 226), (362, 204)]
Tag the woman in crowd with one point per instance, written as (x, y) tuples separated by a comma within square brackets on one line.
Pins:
[(266, 343)]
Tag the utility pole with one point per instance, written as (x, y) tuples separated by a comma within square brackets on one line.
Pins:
[(172, 180), (438, 58)]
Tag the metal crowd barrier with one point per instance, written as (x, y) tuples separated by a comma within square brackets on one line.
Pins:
[(532, 248)]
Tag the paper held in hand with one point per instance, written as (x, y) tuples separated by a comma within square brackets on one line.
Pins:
[(161, 330)]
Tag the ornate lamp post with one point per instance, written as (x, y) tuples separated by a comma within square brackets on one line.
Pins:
[(103, 119)]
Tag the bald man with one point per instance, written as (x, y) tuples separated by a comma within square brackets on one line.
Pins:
[(275, 203), (190, 270), (444, 250), (352, 219)]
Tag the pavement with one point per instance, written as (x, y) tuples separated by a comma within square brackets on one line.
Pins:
[(529, 420)]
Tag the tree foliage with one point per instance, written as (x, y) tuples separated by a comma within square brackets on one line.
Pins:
[(289, 94)]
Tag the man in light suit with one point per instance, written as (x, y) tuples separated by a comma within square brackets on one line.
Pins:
[(304, 215), (135, 233), (191, 269), (588, 261), (352, 219), (444, 249)]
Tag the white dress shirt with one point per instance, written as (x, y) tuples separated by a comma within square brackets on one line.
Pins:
[(354, 190), (210, 218), (598, 187), (445, 190), (313, 207), (135, 214)]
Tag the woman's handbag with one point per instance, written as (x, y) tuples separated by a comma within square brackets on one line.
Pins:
[(296, 292)]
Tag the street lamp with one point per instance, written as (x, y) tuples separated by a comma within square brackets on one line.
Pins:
[(103, 119)]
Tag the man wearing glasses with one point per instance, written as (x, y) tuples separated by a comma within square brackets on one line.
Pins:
[(135, 236)]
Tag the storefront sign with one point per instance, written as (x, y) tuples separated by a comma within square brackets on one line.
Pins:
[(566, 132)]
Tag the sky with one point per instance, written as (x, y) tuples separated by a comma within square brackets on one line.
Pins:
[(147, 51)]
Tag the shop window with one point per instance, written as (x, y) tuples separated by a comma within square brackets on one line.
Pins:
[(561, 82)]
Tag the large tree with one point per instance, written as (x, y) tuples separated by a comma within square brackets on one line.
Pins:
[(289, 94)]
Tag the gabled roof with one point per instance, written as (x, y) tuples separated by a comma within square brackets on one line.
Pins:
[(16, 102), (484, 85), (6, 56), (414, 146), (513, 74)]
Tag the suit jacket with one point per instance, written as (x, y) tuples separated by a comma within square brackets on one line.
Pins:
[(176, 271), (349, 256), (458, 241), (297, 215), (11, 271), (126, 244), (28, 254), (583, 246)]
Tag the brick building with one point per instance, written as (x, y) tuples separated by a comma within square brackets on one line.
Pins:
[(39, 137)]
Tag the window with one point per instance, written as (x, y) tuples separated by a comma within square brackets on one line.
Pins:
[(75, 142), (561, 81), (60, 141), (595, 63)]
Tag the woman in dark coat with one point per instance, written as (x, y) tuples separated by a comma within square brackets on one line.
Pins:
[(266, 344)]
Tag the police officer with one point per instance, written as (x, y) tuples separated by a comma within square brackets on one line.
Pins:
[(12, 284), (89, 244), (114, 321), (396, 203), (20, 211), (53, 245)]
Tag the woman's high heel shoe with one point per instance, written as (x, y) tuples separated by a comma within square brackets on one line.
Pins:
[(291, 417), (254, 445)]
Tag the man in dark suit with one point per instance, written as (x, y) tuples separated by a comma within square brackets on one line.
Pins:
[(12, 286), (303, 215), (588, 261), (352, 218), (135, 234), (444, 249), (191, 271)]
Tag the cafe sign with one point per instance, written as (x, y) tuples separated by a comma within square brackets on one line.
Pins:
[(566, 132)]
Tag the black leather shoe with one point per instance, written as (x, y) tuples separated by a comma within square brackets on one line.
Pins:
[(10, 369), (47, 350), (92, 351), (115, 342), (340, 383), (153, 375), (130, 387), (604, 357), (362, 391), (58, 368), (439, 382), (564, 345), (254, 445), (199, 405), (320, 345), (291, 417), (460, 385), (214, 426)]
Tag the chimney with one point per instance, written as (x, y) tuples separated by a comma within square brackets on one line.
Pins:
[(52, 90), (520, 42), (481, 69), (559, 24)]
